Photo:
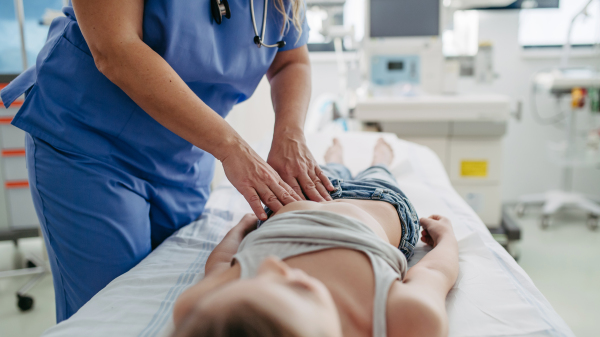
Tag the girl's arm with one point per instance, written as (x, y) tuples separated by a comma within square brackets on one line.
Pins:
[(221, 257), (218, 270), (420, 299), (440, 265)]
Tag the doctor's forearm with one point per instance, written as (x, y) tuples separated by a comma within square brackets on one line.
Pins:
[(151, 82), (290, 81), (290, 92), (113, 31), (290, 156)]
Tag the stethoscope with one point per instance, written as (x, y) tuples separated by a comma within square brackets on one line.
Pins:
[(220, 9)]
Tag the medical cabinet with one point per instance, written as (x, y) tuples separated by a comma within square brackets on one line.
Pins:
[(465, 131)]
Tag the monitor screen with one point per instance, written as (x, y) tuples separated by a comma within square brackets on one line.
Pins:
[(395, 65), (404, 18)]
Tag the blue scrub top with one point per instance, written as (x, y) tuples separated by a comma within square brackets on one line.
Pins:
[(72, 106)]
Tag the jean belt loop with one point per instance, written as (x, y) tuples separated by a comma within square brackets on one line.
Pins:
[(377, 194)]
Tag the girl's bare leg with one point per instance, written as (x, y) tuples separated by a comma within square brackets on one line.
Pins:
[(382, 153), (334, 153)]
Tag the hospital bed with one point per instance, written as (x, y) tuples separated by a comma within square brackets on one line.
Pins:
[(493, 296)]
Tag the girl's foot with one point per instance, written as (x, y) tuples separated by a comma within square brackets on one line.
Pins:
[(334, 153), (383, 153)]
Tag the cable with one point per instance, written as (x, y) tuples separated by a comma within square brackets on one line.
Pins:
[(534, 111), (567, 46)]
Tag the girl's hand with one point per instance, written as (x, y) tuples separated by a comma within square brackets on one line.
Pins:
[(245, 226), (292, 159), (434, 228)]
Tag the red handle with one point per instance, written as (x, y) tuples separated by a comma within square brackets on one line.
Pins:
[(13, 184), (13, 153), (15, 104)]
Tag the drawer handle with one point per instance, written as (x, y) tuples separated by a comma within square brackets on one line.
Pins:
[(5, 120), (13, 153), (16, 184), (15, 104)]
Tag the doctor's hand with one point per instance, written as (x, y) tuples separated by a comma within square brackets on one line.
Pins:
[(256, 180), (292, 159)]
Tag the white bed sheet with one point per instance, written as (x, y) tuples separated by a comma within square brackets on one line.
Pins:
[(493, 296)]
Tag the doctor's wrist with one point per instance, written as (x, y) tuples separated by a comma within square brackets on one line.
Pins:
[(289, 132), (230, 145)]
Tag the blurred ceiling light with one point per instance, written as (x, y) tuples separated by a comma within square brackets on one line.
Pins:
[(468, 4), (463, 38), (528, 4)]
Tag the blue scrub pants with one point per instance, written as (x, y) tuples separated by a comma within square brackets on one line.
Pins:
[(99, 221)]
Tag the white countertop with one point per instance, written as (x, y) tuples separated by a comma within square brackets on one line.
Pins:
[(434, 108)]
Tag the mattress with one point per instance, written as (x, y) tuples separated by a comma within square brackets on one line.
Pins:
[(493, 295)]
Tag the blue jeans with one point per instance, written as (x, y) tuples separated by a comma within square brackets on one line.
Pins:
[(375, 183)]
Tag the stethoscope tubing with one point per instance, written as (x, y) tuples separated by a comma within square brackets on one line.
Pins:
[(259, 41), (220, 9)]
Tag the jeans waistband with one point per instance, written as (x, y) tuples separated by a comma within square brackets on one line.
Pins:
[(383, 191)]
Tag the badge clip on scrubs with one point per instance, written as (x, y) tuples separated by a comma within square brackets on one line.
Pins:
[(220, 9)]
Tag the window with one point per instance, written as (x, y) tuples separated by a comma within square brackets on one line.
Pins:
[(548, 27), (463, 38), (35, 32)]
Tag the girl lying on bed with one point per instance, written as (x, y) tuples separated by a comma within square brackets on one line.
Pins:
[(335, 268)]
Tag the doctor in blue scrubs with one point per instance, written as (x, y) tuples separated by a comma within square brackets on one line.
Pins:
[(124, 118)]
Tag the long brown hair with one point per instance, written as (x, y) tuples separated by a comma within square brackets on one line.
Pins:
[(298, 13), (243, 320)]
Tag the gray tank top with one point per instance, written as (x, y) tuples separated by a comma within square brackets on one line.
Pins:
[(299, 232)]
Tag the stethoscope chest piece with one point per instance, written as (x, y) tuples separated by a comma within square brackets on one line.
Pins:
[(220, 9)]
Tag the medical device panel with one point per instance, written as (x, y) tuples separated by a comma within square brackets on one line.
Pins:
[(394, 69), (402, 44)]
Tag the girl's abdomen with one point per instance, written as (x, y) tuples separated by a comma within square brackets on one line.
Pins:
[(380, 216)]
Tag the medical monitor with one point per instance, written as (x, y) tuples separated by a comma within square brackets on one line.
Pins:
[(404, 18)]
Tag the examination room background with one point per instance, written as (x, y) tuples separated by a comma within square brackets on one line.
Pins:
[(526, 168), (572, 289)]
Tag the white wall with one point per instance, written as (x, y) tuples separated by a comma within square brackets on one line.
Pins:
[(526, 168)]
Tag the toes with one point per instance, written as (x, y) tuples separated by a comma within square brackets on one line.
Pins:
[(381, 141), (383, 152)]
